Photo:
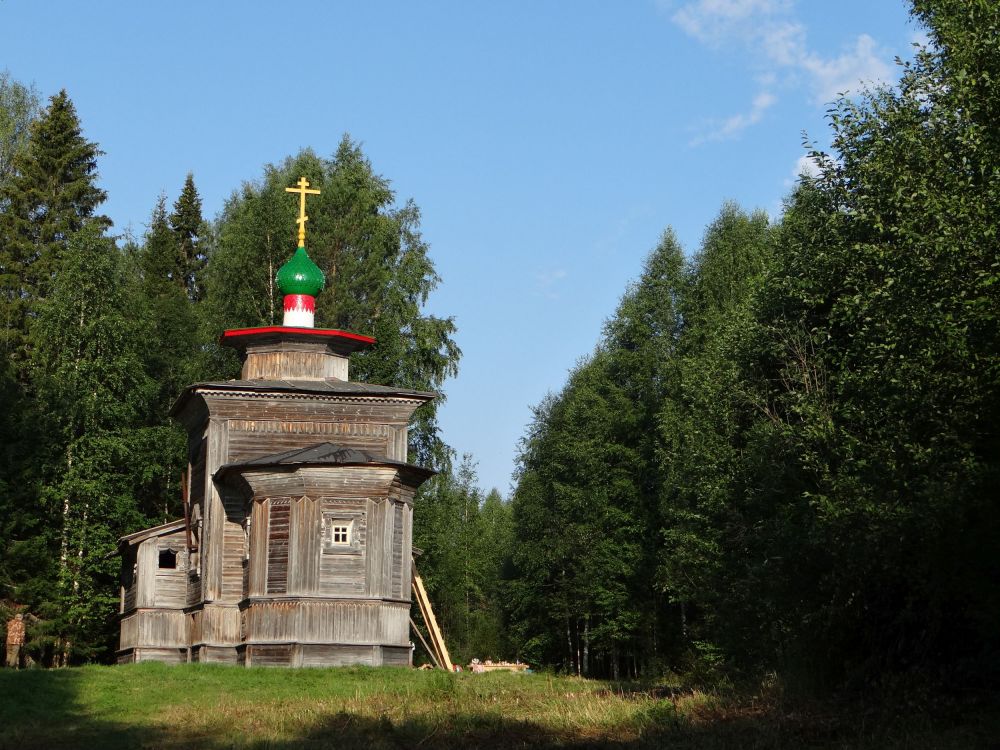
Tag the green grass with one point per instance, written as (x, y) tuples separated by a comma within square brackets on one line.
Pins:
[(155, 706)]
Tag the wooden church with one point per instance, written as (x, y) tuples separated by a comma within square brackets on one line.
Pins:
[(295, 548)]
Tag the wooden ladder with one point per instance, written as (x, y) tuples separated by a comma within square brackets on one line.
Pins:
[(438, 649)]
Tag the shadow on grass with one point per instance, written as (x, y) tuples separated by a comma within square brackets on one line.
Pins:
[(40, 709), (60, 709)]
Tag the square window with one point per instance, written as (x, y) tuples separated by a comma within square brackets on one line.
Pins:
[(340, 534), (343, 532)]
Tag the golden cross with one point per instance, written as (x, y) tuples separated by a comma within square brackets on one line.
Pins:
[(302, 190)]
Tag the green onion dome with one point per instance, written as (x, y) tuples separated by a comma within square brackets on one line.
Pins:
[(300, 275)]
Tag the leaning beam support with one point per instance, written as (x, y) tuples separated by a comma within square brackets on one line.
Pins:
[(437, 638)]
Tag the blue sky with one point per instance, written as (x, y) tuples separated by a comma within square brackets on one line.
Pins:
[(548, 144)]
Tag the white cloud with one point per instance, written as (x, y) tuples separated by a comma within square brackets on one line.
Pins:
[(546, 281), (733, 126), (804, 165), (784, 43), (807, 165), (710, 21), (770, 29), (847, 73)]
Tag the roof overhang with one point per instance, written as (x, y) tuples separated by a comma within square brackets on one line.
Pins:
[(339, 342), (141, 536)]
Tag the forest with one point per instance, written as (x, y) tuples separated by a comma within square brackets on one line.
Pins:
[(781, 457)]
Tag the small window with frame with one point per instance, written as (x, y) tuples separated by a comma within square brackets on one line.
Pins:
[(340, 534)]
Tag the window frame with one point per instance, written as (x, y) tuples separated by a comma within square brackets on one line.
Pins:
[(352, 520)]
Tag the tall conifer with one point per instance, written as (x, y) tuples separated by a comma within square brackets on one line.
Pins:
[(52, 194), (186, 222)]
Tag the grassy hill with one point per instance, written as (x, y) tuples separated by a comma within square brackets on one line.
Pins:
[(154, 706)]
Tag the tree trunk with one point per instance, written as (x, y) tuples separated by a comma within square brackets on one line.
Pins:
[(270, 282), (576, 626), (586, 644), (569, 646)]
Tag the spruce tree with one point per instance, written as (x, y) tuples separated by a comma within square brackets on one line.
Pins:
[(169, 316), (51, 195), (186, 223)]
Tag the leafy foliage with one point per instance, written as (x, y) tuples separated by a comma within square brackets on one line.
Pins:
[(465, 538), (825, 444), (18, 109)]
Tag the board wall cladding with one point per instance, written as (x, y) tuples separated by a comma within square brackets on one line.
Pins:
[(284, 362), (259, 437), (277, 545), (306, 528), (215, 655), (130, 579), (309, 655), (337, 655), (128, 632), (219, 624), (357, 410), (396, 656), (166, 655), (154, 629), (323, 621), (396, 550), (170, 584), (193, 580)]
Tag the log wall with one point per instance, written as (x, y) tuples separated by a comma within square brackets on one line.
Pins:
[(324, 621)]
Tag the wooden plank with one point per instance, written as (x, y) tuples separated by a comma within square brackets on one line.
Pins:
[(437, 638), (259, 521), (407, 551), (396, 556), (304, 551), (430, 651), (215, 514), (234, 553), (146, 574)]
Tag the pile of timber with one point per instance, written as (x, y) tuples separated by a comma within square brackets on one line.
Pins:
[(496, 666)]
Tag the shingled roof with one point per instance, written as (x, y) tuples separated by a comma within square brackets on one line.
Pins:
[(321, 454)]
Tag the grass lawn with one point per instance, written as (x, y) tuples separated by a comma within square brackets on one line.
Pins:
[(156, 706)]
